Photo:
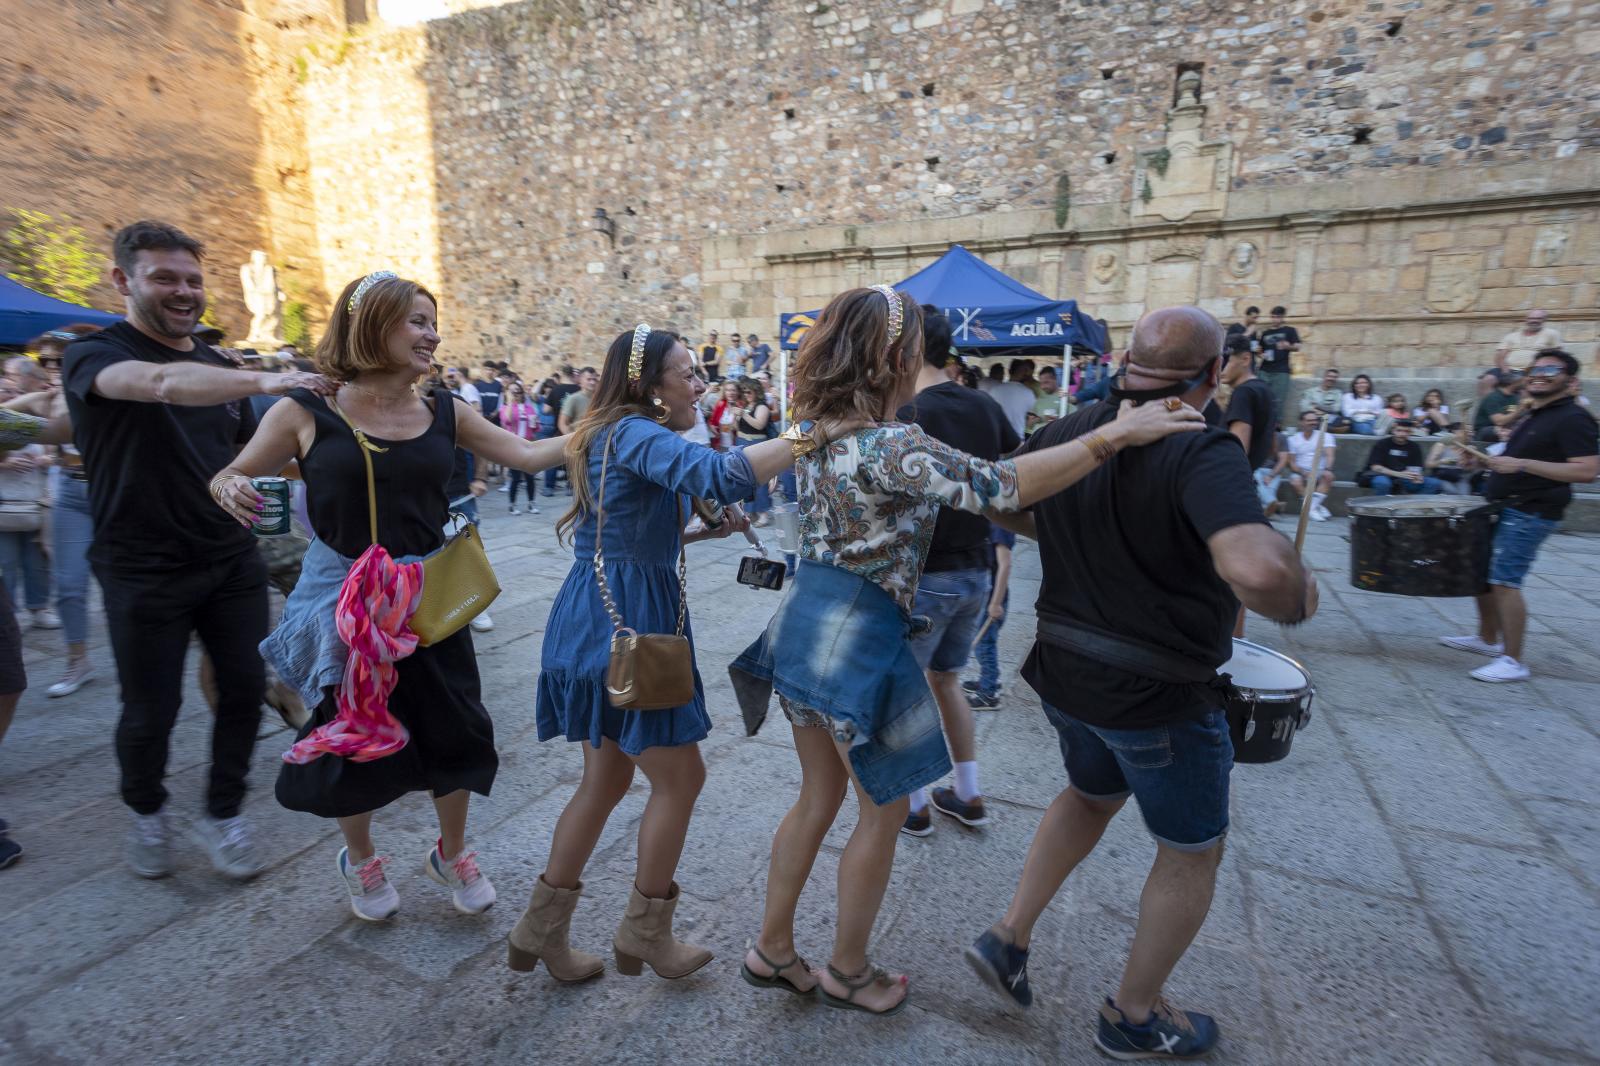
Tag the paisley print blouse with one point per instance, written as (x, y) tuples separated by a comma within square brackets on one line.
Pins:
[(868, 502)]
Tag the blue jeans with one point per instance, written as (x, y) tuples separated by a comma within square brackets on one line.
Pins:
[(1364, 429), (953, 601), (22, 562), (72, 532), (1383, 485), (988, 651), (1178, 773), (761, 502), (1516, 542), (546, 433)]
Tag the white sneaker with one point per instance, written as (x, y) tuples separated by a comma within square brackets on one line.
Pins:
[(228, 842), (1321, 513), (372, 897), (532, 509), (483, 623), (75, 678), (515, 509), (506, 487), (1473, 643), (1503, 669), (150, 846), (45, 618), (470, 891)]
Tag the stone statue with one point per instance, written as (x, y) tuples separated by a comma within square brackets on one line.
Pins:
[(1189, 89), (265, 300), (1243, 259), (1105, 266)]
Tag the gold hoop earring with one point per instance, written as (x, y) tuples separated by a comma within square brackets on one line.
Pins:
[(662, 412)]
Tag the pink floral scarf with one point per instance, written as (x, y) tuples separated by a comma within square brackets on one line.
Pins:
[(373, 616)]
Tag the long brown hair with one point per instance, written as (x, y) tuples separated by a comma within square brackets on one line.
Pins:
[(356, 341), (846, 367), (615, 397)]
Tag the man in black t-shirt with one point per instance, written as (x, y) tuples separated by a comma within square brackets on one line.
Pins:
[(156, 413), (1249, 415), (953, 593), (1395, 465), (1556, 446), (1279, 342), (711, 358), (1249, 329), (1145, 562), (550, 419)]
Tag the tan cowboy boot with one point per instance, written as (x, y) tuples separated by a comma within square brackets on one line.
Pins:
[(542, 934), (645, 935)]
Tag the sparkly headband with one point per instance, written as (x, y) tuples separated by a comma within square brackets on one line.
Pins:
[(366, 283), (896, 311), (641, 333)]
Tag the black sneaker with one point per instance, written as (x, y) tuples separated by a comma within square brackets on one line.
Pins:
[(983, 701), (968, 814), (918, 823), (1168, 1034), (971, 686), (1003, 967), (10, 850)]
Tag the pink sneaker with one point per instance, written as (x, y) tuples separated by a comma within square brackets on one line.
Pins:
[(470, 891)]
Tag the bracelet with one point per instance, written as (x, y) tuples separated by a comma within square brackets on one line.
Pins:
[(1100, 449), (216, 493)]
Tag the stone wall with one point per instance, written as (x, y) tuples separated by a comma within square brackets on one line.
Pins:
[(488, 140), (169, 109)]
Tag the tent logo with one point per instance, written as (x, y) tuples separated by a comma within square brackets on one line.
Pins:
[(968, 325), (1037, 328)]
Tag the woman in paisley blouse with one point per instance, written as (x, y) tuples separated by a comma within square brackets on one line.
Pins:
[(860, 709)]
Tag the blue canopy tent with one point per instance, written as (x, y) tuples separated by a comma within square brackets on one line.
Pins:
[(25, 314), (987, 309)]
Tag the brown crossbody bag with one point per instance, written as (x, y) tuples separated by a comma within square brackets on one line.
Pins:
[(458, 584), (647, 671)]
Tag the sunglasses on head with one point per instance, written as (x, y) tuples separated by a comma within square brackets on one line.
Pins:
[(1546, 371)]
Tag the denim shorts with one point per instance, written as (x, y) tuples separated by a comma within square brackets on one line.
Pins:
[(1178, 772), (1516, 542), (954, 602)]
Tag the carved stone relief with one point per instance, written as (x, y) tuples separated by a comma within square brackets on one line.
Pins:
[(1453, 280)]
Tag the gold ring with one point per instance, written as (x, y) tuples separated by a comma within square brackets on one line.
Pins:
[(1173, 403)]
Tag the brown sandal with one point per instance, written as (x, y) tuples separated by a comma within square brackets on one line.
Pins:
[(777, 980), (871, 975)]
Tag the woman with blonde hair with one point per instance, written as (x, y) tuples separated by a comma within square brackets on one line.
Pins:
[(837, 651), (631, 478), (432, 732)]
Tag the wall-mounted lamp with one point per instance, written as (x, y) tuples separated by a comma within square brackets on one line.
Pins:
[(604, 226)]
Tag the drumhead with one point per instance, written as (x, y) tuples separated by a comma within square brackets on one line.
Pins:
[(1264, 670), (1415, 506)]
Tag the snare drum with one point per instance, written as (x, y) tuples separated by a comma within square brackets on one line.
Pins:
[(1268, 700), (1421, 545)]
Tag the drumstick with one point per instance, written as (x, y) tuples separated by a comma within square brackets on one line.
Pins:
[(987, 622), (1311, 489)]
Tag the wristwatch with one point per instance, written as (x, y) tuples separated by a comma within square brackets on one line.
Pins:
[(800, 438)]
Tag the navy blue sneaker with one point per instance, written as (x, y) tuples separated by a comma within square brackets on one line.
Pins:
[(969, 813), (10, 850), (918, 823), (1003, 967), (983, 701), (1168, 1034)]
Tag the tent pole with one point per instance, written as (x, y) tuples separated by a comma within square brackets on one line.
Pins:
[(783, 387), (1064, 380)]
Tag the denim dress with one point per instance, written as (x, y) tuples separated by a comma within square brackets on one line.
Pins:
[(651, 472)]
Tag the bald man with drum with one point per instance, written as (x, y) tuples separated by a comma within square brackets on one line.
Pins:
[(1145, 563)]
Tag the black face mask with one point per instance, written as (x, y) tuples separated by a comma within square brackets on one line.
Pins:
[(1177, 388)]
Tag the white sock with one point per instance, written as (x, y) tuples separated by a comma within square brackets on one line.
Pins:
[(1317, 498), (919, 801), (967, 781)]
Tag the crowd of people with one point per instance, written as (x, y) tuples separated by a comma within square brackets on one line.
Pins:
[(910, 479)]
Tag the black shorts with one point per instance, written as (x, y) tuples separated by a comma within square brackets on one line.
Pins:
[(13, 678)]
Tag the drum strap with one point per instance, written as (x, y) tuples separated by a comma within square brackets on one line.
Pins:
[(1157, 664)]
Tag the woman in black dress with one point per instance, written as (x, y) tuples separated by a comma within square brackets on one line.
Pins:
[(379, 344)]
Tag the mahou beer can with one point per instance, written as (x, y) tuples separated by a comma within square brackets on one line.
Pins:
[(273, 521)]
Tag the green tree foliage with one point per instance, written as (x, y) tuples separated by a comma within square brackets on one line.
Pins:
[(50, 255), (296, 325)]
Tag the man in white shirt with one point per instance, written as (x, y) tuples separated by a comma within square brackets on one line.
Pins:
[(736, 359), (1298, 457), (1518, 348), (456, 380), (1015, 397)]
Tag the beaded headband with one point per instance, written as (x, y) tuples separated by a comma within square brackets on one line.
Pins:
[(896, 311), (366, 283), (641, 333)]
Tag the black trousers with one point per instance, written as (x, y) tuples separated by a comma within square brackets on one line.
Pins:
[(151, 615)]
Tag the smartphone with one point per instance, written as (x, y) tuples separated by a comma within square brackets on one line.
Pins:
[(761, 573)]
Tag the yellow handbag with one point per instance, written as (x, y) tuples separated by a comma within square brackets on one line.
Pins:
[(647, 671), (458, 584)]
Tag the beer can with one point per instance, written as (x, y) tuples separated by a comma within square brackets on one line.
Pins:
[(273, 521)]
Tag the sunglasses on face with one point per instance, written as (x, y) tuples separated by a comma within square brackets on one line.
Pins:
[(1546, 371)]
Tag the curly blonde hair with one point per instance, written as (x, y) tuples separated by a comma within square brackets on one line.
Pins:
[(847, 367)]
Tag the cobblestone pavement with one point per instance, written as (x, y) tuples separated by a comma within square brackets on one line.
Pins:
[(1416, 884)]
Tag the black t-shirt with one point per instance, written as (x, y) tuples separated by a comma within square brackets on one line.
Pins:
[(556, 398), (150, 465), (1124, 551), (967, 419), (1553, 433), (489, 397), (1394, 455), (1278, 363), (1252, 404), (1212, 413)]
